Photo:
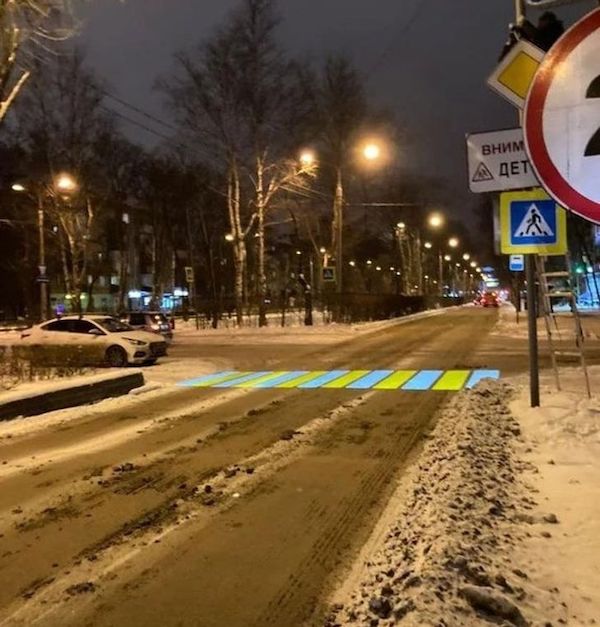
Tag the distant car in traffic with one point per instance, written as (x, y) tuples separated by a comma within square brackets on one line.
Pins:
[(490, 299), (150, 321), (118, 343)]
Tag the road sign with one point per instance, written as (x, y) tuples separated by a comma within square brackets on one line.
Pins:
[(498, 162), (514, 74), (562, 119), (532, 222), (189, 274), (516, 263), (328, 275)]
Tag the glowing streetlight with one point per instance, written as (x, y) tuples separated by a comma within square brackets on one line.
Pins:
[(447, 258), (17, 187), (436, 220), (428, 245), (473, 264), (65, 183), (453, 242), (478, 269), (307, 158), (298, 252), (378, 268), (371, 152), (229, 237), (352, 263), (466, 256), (322, 250), (369, 262)]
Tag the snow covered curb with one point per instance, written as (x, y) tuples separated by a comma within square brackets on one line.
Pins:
[(449, 558), (45, 397), (328, 333)]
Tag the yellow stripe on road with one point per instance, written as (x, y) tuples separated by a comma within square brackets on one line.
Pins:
[(394, 381), (305, 378), (452, 380), (210, 382), (267, 377), (346, 379)]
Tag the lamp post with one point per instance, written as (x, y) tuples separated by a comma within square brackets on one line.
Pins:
[(371, 152)]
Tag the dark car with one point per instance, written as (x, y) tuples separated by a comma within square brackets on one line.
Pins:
[(152, 321)]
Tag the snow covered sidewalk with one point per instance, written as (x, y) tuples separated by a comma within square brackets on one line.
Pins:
[(477, 534), (562, 446)]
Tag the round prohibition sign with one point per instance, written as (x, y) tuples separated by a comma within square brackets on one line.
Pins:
[(562, 119)]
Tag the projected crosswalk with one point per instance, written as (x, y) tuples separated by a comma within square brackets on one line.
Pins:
[(409, 380)]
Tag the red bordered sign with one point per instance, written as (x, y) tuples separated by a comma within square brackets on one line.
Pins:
[(562, 119)]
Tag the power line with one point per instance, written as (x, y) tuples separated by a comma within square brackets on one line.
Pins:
[(388, 48), (141, 112)]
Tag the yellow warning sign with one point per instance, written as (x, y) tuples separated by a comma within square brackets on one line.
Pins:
[(514, 74)]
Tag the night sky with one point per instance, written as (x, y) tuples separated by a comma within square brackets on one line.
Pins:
[(425, 60)]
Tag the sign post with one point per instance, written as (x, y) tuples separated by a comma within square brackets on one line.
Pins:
[(532, 223), (534, 366)]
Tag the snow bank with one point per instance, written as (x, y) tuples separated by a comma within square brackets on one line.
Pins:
[(562, 440), (449, 559), (317, 334)]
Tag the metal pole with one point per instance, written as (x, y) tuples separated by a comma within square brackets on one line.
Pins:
[(339, 218), (42, 261), (440, 272), (534, 373)]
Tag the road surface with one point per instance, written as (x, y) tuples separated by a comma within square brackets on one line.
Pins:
[(219, 508)]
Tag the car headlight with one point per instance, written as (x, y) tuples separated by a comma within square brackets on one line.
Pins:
[(135, 342)]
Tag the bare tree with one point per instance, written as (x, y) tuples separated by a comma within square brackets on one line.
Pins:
[(29, 31), (240, 98), (62, 120), (276, 102)]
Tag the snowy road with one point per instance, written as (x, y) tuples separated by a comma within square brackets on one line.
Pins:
[(220, 507)]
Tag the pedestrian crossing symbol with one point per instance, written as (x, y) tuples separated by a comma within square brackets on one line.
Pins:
[(534, 227), (532, 222)]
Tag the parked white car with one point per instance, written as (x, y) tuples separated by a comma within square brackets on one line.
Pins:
[(119, 343)]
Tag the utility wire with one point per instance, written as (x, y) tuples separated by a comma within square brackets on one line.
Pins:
[(388, 48)]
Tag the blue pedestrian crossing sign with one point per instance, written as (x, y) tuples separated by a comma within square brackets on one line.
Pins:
[(531, 222)]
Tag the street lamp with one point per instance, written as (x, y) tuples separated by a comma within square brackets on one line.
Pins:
[(466, 256), (65, 183), (436, 220), (307, 158), (229, 237), (428, 245), (371, 151), (453, 242)]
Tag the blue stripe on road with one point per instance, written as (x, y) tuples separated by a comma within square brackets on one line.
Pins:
[(332, 375), (238, 380), (288, 376), (369, 380), (423, 380), (479, 375), (207, 378)]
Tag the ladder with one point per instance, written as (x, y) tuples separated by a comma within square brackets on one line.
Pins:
[(551, 293)]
